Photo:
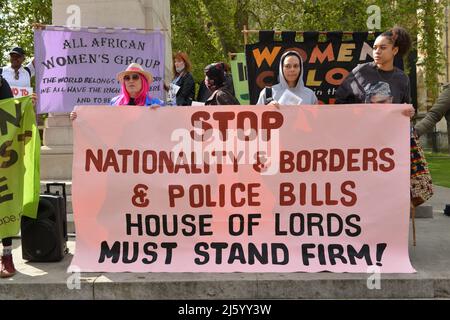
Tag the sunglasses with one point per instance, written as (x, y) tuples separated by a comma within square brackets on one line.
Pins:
[(132, 77)]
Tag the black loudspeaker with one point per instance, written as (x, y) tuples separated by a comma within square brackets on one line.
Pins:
[(44, 239)]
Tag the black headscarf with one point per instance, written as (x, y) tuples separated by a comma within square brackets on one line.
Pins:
[(216, 75)]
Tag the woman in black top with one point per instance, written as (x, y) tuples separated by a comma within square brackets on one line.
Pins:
[(183, 79), (379, 81), (215, 81)]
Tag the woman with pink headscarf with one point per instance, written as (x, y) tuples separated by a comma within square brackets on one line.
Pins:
[(135, 84)]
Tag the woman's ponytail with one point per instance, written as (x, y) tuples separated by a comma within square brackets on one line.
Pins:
[(400, 38)]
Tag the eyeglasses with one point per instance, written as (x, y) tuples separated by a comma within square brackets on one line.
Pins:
[(132, 77), (16, 75)]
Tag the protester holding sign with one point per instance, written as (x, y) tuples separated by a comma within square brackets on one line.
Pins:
[(7, 266), (19, 168), (381, 82), (204, 93), (135, 83), (215, 81), (16, 74), (182, 88), (290, 90)]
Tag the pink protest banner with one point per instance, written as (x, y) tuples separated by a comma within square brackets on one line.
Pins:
[(195, 189)]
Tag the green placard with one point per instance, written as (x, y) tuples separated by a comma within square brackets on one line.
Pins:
[(240, 83), (19, 164)]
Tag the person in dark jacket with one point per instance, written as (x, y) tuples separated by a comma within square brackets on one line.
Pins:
[(7, 268), (204, 93), (5, 90), (182, 88), (439, 110), (215, 81)]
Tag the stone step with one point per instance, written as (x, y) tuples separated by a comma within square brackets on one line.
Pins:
[(58, 136), (56, 162), (49, 280), (58, 120), (431, 258)]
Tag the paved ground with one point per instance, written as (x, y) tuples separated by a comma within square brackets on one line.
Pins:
[(431, 259)]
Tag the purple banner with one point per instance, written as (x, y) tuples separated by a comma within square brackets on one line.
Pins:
[(80, 67)]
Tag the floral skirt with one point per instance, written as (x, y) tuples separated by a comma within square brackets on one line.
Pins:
[(421, 183)]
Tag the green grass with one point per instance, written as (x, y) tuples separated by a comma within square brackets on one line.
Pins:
[(439, 164)]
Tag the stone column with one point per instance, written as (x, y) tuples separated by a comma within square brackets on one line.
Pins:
[(57, 152)]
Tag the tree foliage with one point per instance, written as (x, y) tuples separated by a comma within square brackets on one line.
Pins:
[(16, 19), (209, 29), (217, 24), (431, 22)]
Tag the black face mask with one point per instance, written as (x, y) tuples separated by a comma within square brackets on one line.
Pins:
[(210, 84)]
